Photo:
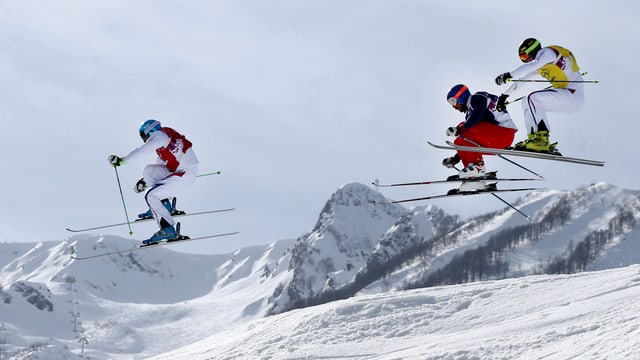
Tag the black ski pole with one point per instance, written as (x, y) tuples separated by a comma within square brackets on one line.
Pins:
[(508, 160), (558, 81), (211, 173), (522, 97), (548, 87)]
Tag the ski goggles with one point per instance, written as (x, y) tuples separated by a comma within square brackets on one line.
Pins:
[(525, 57), (453, 101), (525, 52)]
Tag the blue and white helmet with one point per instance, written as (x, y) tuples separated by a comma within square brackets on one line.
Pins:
[(148, 127), (458, 95)]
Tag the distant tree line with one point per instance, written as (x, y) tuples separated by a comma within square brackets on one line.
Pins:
[(586, 251), (486, 261)]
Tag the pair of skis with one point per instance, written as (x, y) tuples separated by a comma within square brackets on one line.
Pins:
[(158, 244), (529, 154), (490, 188), (181, 238), (175, 214)]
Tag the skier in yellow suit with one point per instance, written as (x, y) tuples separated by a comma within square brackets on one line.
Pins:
[(557, 65)]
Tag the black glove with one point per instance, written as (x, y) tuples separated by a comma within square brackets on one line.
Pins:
[(141, 185), (503, 78), (502, 103), (115, 160), (452, 131)]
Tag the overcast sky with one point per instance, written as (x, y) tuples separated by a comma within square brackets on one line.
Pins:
[(288, 99)]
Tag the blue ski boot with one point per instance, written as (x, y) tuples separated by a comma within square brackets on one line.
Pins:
[(145, 215), (168, 233), (171, 206)]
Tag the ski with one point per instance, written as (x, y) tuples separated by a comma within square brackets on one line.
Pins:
[(530, 154), (147, 219), (454, 192), (182, 239), (454, 178)]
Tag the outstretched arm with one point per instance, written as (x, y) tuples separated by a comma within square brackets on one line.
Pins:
[(529, 70), (158, 139)]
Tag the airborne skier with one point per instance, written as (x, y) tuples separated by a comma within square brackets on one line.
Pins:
[(176, 168), (559, 66), (484, 126)]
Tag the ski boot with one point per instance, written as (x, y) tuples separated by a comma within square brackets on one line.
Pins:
[(167, 233), (145, 215), (169, 205), (537, 142), (179, 236), (473, 171), (491, 175), (487, 187), (473, 178)]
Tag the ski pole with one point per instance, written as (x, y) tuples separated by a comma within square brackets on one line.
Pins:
[(548, 87), (126, 215), (512, 206), (508, 160), (507, 203), (522, 97), (559, 81), (211, 173)]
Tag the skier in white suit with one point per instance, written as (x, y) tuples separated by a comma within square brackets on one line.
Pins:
[(176, 169)]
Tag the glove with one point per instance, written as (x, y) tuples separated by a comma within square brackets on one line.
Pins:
[(503, 78), (453, 131), (502, 103), (141, 185), (451, 162), (115, 160)]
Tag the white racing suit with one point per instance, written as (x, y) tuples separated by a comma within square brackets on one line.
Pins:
[(566, 96), (175, 170)]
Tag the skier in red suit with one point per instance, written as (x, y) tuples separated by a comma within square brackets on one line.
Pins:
[(483, 126)]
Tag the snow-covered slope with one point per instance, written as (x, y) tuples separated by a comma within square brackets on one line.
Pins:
[(129, 304), (592, 315), (150, 302)]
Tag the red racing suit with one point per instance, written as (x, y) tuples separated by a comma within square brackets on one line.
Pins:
[(485, 126)]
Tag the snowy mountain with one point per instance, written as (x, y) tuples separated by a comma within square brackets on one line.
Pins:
[(151, 302), (570, 232)]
